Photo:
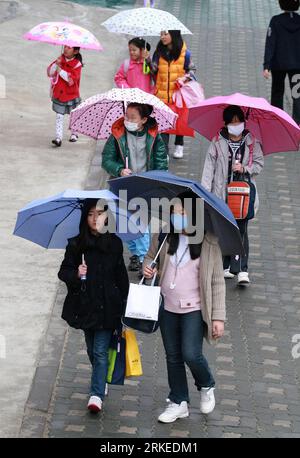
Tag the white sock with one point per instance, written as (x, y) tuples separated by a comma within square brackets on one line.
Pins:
[(59, 126)]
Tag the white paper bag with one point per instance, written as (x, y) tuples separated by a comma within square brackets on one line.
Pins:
[(143, 302)]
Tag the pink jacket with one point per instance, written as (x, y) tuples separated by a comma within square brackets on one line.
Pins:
[(134, 77)]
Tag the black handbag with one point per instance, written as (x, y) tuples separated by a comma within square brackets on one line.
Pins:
[(146, 326)]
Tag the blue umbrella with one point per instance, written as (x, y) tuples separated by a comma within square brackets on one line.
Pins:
[(52, 221), (218, 218)]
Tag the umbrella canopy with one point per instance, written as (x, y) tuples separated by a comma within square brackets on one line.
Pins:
[(52, 221), (96, 115), (65, 34), (218, 218), (273, 127), (144, 22)]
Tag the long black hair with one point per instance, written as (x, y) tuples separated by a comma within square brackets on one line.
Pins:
[(78, 56), (174, 52), (86, 239), (173, 237)]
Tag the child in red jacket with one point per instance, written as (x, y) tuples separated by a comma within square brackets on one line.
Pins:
[(65, 73)]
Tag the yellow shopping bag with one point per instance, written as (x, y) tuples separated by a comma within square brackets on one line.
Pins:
[(133, 357)]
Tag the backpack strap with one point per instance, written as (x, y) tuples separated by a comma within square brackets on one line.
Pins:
[(251, 149)]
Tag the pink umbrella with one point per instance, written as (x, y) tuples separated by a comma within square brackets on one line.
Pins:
[(273, 127), (65, 34), (96, 115)]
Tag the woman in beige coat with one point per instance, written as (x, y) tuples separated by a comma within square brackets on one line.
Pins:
[(233, 151), (192, 283)]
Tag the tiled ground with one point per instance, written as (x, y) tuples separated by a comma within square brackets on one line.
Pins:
[(257, 378)]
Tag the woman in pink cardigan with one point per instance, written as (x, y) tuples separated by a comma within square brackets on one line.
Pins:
[(193, 287), (134, 72)]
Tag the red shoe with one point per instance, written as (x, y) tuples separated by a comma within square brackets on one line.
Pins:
[(94, 404)]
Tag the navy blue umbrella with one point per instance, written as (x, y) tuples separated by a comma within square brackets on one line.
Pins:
[(52, 221), (218, 218)]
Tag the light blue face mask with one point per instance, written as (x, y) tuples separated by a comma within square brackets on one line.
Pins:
[(180, 222)]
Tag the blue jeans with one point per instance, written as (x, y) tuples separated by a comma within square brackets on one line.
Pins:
[(140, 247), (240, 264), (97, 343), (183, 338)]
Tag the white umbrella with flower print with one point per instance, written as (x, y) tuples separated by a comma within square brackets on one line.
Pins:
[(144, 22)]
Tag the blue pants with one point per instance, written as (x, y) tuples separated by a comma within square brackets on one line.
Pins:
[(183, 338), (240, 264), (97, 343), (140, 247)]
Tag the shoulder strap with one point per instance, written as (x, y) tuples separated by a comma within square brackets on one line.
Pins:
[(251, 148), (161, 238)]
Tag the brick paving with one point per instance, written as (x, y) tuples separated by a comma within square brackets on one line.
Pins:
[(258, 391)]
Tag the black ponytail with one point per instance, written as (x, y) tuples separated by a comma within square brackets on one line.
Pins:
[(78, 56)]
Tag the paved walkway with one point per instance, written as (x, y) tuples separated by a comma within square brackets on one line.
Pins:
[(31, 168), (257, 378)]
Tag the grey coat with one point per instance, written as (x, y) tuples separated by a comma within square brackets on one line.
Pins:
[(215, 171)]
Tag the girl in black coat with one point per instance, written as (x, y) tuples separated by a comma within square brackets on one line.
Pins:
[(95, 304)]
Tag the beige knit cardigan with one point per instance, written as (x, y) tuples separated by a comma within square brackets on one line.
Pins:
[(211, 278)]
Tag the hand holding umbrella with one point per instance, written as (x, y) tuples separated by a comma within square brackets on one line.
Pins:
[(82, 269)]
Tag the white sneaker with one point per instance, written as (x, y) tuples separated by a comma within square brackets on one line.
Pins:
[(243, 278), (94, 404), (178, 153), (207, 400), (228, 274), (174, 411)]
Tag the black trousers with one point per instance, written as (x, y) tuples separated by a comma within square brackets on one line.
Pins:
[(239, 263), (278, 79), (179, 140)]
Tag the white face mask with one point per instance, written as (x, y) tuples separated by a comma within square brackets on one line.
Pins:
[(236, 129), (131, 126)]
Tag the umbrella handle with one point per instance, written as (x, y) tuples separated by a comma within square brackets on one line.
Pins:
[(83, 277)]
